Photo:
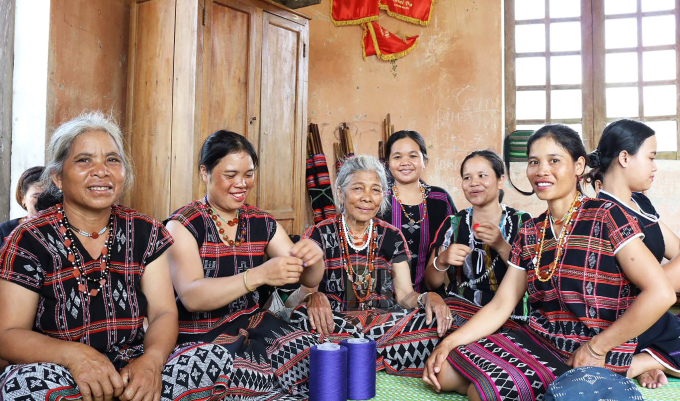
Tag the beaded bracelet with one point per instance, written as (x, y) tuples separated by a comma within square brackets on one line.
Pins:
[(434, 263), (245, 281)]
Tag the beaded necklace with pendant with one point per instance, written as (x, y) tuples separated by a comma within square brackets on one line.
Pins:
[(217, 219), (73, 255), (395, 192), (561, 239), (363, 279)]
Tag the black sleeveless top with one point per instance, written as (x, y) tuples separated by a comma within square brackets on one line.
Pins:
[(647, 218)]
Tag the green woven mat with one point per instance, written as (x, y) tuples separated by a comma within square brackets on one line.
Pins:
[(392, 388)]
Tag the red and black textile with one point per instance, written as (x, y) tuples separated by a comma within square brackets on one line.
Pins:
[(110, 322), (403, 338), (586, 294), (319, 187), (271, 356), (420, 233)]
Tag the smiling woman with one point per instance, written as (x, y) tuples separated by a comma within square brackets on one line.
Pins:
[(580, 262), (415, 208), (366, 290), (225, 250), (472, 246), (78, 280)]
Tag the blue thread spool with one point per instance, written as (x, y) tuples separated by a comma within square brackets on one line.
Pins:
[(362, 354), (328, 372)]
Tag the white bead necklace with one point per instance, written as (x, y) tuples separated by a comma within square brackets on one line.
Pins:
[(351, 242)]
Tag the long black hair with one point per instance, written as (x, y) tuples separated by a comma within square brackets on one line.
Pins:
[(494, 160), (628, 135), (566, 137)]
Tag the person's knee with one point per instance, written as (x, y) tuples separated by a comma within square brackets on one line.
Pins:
[(472, 393), (450, 380)]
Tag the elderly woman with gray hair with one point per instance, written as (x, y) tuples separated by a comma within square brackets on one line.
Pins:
[(366, 290), (78, 279)]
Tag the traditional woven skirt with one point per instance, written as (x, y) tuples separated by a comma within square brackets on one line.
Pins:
[(403, 338), (271, 356), (196, 371), (662, 341), (516, 365)]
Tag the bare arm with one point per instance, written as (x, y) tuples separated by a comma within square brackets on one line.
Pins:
[(434, 305), (161, 335), (403, 289), (143, 375), (92, 371), (484, 323), (671, 240), (494, 314), (672, 268), (305, 249), (196, 292), (655, 298), (434, 278), (199, 293)]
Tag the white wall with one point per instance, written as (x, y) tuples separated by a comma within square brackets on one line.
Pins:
[(29, 97)]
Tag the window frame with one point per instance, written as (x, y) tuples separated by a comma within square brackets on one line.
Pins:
[(593, 85)]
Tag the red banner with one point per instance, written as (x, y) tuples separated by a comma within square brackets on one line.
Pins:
[(414, 11), (384, 44), (354, 12)]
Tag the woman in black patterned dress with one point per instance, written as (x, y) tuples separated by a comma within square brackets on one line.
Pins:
[(580, 262), (366, 290), (416, 208), (473, 245), (624, 159), (78, 280), (218, 263)]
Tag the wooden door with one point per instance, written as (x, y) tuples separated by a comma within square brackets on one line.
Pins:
[(283, 115), (149, 106), (231, 60)]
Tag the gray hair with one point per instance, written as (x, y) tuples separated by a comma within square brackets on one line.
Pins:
[(354, 165), (62, 141)]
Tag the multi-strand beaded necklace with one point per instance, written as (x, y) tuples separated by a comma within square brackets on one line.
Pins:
[(568, 220), (73, 255), (218, 222), (484, 258), (361, 281)]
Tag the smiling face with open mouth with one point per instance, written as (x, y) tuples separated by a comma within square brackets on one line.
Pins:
[(230, 181), (362, 197), (406, 162), (552, 171), (480, 184), (93, 175)]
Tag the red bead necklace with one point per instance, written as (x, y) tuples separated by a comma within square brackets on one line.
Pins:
[(395, 192), (216, 218), (363, 280), (73, 255)]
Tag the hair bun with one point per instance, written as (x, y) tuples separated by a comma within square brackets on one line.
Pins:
[(594, 159)]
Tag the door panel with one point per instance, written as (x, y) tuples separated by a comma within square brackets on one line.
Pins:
[(281, 130)]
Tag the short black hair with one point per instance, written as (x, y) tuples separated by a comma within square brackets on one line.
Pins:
[(28, 178), (222, 143), (496, 164)]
